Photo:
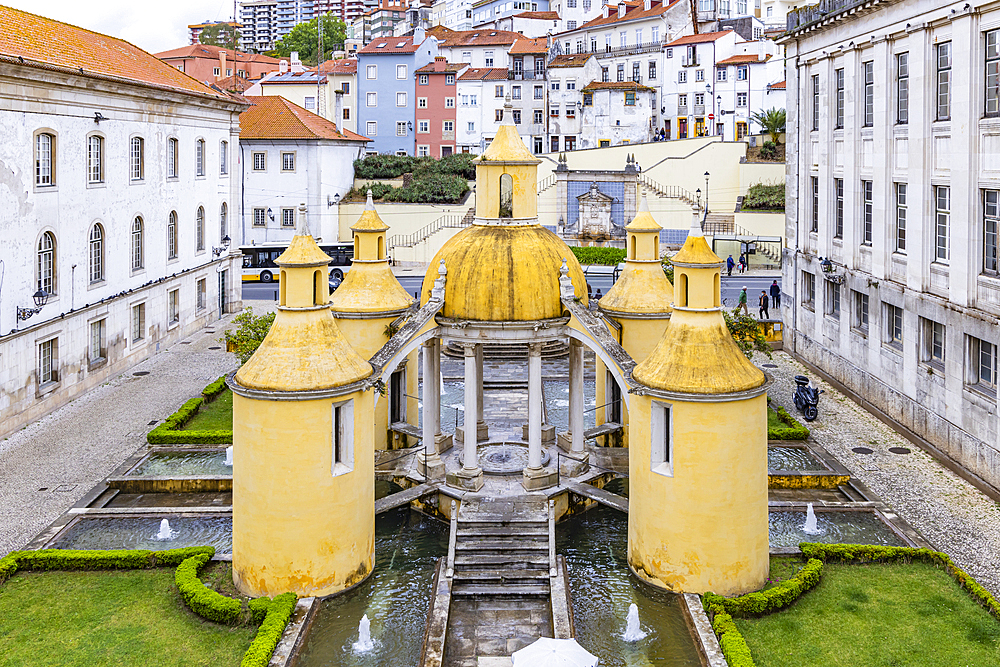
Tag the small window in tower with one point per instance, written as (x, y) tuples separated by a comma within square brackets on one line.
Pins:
[(632, 253), (343, 438), (662, 439), (397, 397), (682, 291), (506, 196)]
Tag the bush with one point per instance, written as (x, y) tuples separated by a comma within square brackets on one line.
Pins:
[(769, 150), (169, 433), (734, 646), (459, 164), (202, 600), (84, 559), (794, 430), (379, 191), (278, 614), (771, 599), (765, 197), (249, 334), (394, 166), (258, 609), (432, 188), (214, 389), (604, 256), (383, 166)]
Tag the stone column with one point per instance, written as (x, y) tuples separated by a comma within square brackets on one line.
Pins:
[(535, 476), (428, 460), (482, 430), (576, 459), (443, 441), (470, 476)]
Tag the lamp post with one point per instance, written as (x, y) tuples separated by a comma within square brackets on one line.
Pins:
[(706, 194), (721, 113), (41, 297)]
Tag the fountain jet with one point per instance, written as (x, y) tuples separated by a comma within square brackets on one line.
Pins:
[(633, 632), (811, 527), (229, 456), (165, 533), (364, 642)]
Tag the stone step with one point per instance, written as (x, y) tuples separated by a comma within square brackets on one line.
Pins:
[(473, 561), (502, 545), (505, 522), (503, 577), (504, 531), (469, 591)]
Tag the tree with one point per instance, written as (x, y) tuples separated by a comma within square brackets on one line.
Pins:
[(747, 333), (303, 39), (772, 120), (248, 335), (219, 34)]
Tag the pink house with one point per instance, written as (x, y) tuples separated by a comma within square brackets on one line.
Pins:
[(436, 103)]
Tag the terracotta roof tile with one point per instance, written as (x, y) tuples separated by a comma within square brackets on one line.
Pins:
[(341, 66), (447, 68), (232, 84), (633, 12), (777, 86), (390, 45), (703, 38), (212, 52), (575, 60), (743, 59), (484, 74), (40, 41), (616, 85), (544, 16), (525, 45), (484, 37), (273, 117)]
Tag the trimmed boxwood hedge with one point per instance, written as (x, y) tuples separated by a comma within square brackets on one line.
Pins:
[(771, 599), (279, 612), (82, 559), (169, 433), (794, 430), (203, 600), (734, 646)]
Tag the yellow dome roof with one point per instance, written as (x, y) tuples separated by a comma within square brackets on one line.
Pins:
[(696, 251), (370, 288), (504, 273), (642, 288)]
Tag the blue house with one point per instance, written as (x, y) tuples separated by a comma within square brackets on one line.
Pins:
[(386, 104)]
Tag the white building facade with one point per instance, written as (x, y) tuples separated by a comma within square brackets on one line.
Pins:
[(893, 176), (117, 201)]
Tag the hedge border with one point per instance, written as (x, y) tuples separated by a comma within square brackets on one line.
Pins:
[(772, 599), (795, 430), (271, 615), (600, 256), (169, 433)]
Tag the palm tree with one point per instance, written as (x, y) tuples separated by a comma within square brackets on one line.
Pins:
[(772, 120)]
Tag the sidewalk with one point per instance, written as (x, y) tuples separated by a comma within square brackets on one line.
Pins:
[(49, 465)]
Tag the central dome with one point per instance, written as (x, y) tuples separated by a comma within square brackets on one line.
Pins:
[(504, 273)]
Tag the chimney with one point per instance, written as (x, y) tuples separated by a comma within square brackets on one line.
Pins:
[(283, 67), (338, 105), (418, 35), (761, 56), (296, 63), (222, 64), (439, 63), (621, 10)]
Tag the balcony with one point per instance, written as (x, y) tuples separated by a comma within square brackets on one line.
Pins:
[(647, 47), (525, 76)]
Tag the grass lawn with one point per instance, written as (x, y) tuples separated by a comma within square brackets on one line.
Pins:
[(773, 420), (214, 416), (893, 615), (122, 618)]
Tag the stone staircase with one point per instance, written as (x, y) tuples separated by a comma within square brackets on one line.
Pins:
[(502, 559), (719, 223)]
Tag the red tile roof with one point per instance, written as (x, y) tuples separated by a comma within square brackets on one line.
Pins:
[(232, 84), (390, 45), (744, 59), (37, 41), (616, 85), (574, 60), (212, 52), (633, 12), (525, 45), (544, 16), (484, 74), (446, 68), (273, 117), (485, 37), (777, 86), (703, 38), (340, 66)]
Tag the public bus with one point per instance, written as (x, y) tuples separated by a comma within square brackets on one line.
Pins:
[(258, 260)]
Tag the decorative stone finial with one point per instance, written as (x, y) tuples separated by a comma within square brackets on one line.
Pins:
[(437, 292), (370, 204), (696, 229), (566, 290), (643, 204), (303, 229)]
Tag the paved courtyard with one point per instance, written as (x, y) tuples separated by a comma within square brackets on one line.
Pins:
[(49, 465)]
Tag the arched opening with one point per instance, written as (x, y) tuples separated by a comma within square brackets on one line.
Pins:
[(47, 263), (632, 247), (357, 246), (282, 283), (381, 247), (718, 289), (682, 290), (318, 285), (223, 218), (137, 243), (506, 196), (96, 253)]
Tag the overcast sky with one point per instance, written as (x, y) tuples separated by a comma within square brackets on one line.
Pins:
[(153, 25)]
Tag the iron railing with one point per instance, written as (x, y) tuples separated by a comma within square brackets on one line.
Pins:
[(449, 221)]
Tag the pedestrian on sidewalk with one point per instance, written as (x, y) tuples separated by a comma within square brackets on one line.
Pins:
[(762, 311), (743, 302), (729, 265), (743, 263), (775, 295)]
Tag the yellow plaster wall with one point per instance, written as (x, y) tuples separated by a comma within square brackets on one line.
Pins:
[(296, 527), (525, 189), (705, 528)]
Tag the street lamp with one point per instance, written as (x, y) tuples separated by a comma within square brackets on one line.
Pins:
[(706, 194), (697, 197), (41, 297), (218, 250)]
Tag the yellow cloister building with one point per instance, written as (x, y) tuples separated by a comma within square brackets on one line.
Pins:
[(306, 421)]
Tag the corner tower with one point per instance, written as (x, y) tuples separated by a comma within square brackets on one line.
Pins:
[(698, 446), (365, 304), (303, 455)]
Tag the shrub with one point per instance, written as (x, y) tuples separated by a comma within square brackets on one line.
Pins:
[(383, 166), (84, 559), (459, 164), (258, 609), (249, 334), (278, 614), (769, 150), (772, 599), (604, 256), (432, 188), (765, 197), (379, 191), (214, 389), (734, 646), (746, 333), (202, 600), (794, 430)]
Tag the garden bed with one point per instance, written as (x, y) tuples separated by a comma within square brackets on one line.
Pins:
[(214, 427), (783, 426)]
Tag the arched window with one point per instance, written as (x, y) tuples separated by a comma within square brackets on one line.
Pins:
[(96, 253), (506, 196), (47, 263), (632, 254), (223, 221), (381, 246), (200, 153), (172, 235), (682, 294), (200, 228), (137, 263), (45, 159), (224, 157)]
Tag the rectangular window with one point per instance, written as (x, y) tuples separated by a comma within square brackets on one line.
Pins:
[(839, 119), (136, 159), (498, 91), (202, 294), (944, 81), (605, 75), (288, 162), (372, 72), (932, 342), (553, 112), (171, 158), (347, 113), (570, 112), (539, 92), (942, 219), (993, 73), (588, 99), (516, 114), (833, 299), (570, 84), (860, 312), (903, 88), (742, 72), (991, 218), (652, 70), (900, 217), (868, 69), (471, 127), (345, 86), (838, 190), (400, 71), (371, 128), (893, 325), (570, 143), (400, 99), (555, 85), (661, 434), (421, 102), (808, 289), (699, 75), (371, 99), (401, 129), (174, 306), (720, 74), (449, 103), (48, 362), (498, 115), (223, 157), (423, 151), (95, 159), (515, 92), (288, 217), (814, 220), (629, 99), (44, 159), (982, 365), (867, 211), (621, 72), (635, 72), (260, 217), (97, 333), (423, 126), (815, 102), (138, 322), (537, 117), (342, 438), (310, 103), (741, 99), (554, 144), (423, 79), (260, 161), (488, 58)]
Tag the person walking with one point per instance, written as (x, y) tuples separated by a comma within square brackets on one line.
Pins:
[(743, 262), (729, 265), (775, 295), (743, 302), (762, 303)]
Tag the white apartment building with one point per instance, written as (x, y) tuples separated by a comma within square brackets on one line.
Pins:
[(749, 81), (616, 113), (893, 209), (481, 92), (568, 76), (529, 24), (116, 212), (773, 12)]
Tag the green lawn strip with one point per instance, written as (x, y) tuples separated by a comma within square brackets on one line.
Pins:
[(877, 615), (214, 416), (783, 426), (131, 617)]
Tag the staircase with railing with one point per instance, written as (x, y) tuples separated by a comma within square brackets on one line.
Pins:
[(666, 191), (448, 221)]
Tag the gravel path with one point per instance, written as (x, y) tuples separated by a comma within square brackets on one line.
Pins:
[(948, 511), (72, 449)]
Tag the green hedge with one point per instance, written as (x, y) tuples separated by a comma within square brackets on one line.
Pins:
[(794, 430), (278, 614), (203, 600), (82, 559), (771, 599), (763, 197), (169, 433), (394, 166), (258, 608), (870, 553), (605, 256), (432, 188), (734, 646)]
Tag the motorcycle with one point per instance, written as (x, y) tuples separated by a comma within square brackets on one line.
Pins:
[(806, 398)]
